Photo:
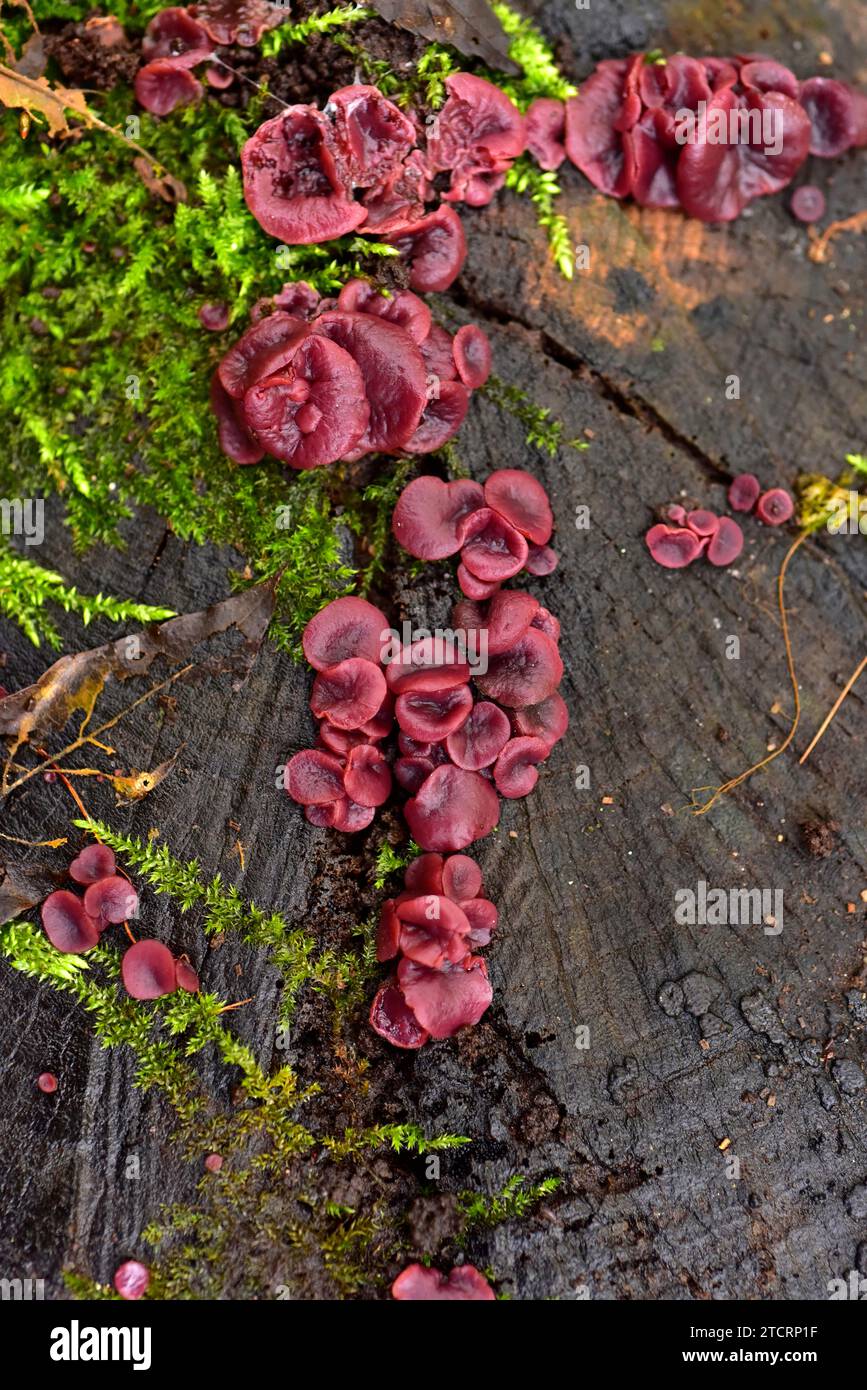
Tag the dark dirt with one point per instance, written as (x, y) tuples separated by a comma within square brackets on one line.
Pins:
[(820, 837), (697, 1035), (94, 53)]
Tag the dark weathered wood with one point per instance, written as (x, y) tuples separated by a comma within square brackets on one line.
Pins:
[(585, 887)]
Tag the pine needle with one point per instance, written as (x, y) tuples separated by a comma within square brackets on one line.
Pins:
[(833, 710), (790, 663)]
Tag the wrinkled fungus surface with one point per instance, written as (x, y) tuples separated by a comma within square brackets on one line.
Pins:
[(775, 506), (744, 492), (393, 1019), (546, 130), (111, 900), (476, 137), (164, 84), (726, 543), (705, 135), (808, 203), (515, 771), (445, 1000), (361, 163), (452, 808), (309, 383), (347, 627), (348, 694), (429, 513), (93, 863)]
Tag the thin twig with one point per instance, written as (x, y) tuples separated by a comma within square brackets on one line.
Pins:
[(227, 1008), (790, 663), (35, 844), (818, 249), (834, 708), (88, 738), (269, 96), (67, 784)]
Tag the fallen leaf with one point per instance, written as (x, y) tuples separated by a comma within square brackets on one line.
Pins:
[(167, 187), (74, 683), (470, 26), (22, 886), (139, 784), (35, 95)]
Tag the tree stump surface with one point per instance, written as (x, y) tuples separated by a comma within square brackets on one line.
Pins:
[(706, 1043)]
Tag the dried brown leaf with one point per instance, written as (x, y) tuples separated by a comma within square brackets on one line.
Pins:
[(167, 187), (140, 784), (74, 683), (36, 95), (34, 59), (22, 886), (470, 26)]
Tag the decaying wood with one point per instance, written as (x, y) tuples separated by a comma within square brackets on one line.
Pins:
[(695, 1035)]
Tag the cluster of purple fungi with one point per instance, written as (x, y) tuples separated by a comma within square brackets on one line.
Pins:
[(360, 164), (707, 135), (456, 754), (685, 535), (315, 380), (75, 924)]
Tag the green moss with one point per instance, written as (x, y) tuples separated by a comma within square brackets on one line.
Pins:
[(295, 952), (389, 861), (104, 383), (542, 188), (330, 22), (542, 432), (26, 589), (87, 1290), (400, 1138), (529, 48), (433, 67), (513, 1201)]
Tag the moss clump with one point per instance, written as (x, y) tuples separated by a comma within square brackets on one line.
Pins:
[(514, 1201), (26, 589), (530, 49), (267, 1222), (331, 22), (542, 432), (296, 953), (104, 380)]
